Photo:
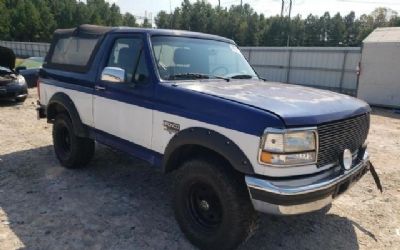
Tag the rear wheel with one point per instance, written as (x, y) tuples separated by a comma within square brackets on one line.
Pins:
[(72, 151), (212, 205)]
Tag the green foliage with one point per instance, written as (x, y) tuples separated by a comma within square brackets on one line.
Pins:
[(4, 21), (163, 20), (146, 23), (129, 20), (248, 28), (36, 20)]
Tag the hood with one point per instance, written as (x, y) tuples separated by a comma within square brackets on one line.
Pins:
[(7, 58), (296, 105)]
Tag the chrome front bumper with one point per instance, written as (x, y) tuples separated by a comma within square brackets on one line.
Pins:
[(302, 195)]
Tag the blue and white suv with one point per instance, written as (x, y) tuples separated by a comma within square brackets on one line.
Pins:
[(190, 103)]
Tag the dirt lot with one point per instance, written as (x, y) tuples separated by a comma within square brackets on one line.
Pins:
[(122, 203)]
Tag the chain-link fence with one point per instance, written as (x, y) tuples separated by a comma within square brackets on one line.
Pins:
[(27, 49)]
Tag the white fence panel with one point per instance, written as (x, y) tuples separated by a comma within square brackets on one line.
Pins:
[(321, 67)]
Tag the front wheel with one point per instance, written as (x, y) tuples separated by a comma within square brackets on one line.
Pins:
[(212, 205), (72, 151)]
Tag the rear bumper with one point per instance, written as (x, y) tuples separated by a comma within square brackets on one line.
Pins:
[(302, 195)]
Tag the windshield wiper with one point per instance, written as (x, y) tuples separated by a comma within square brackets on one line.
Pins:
[(242, 76), (196, 76)]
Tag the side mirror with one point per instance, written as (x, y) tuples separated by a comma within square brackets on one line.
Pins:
[(113, 74), (19, 68)]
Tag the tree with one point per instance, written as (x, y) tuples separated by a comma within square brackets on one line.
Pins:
[(4, 21), (163, 20), (352, 30), (25, 22), (297, 31), (312, 31), (336, 32), (35, 20), (382, 16), (129, 20), (186, 11), (146, 23), (47, 24), (366, 23), (81, 14), (252, 37), (115, 17), (63, 12)]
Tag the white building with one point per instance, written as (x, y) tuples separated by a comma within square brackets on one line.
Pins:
[(379, 82)]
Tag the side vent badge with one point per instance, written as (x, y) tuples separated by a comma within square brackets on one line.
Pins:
[(171, 127)]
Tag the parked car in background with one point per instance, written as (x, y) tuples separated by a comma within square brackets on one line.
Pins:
[(12, 85), (29, 68)]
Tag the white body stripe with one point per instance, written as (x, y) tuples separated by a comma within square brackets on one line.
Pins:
[(83, 101), (126, 121), (144, 127)]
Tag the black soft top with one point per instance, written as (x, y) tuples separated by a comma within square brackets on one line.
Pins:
[(74, 49), (88, 30), (85, 30)]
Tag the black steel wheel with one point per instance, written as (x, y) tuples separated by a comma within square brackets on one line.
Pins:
[(72, 151), (204, 205), (212, 205)]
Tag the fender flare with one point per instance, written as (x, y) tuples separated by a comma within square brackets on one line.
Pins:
[(65, 101), (211, 140)]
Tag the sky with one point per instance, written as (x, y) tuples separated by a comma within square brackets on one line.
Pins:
[(267, 7)]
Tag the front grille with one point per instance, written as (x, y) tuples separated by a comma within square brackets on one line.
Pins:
[(335, 137)]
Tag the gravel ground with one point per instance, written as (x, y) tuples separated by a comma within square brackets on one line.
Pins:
[(119, 202)]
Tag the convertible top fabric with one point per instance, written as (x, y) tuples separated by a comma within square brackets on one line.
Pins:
[(85, 30), (74, 49)]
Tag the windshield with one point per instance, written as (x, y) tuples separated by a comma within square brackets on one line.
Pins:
[(182, 58)]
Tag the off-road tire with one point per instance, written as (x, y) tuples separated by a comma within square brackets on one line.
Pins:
[(238, 219), (72, 151)]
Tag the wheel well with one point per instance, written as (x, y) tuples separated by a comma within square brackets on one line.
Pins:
[(61, 103), (187, 152), (54, 109)]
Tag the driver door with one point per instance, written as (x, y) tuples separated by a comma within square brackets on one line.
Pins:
[(122, 110)]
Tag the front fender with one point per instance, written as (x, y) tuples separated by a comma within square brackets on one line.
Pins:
[(211, 140)]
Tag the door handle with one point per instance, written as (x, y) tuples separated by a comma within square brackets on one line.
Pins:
[(99, 88)]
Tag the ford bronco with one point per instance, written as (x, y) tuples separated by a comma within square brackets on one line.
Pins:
[(189, 103)]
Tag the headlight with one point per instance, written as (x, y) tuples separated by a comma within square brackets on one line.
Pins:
[(289, 147), (21, 80)]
